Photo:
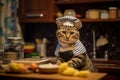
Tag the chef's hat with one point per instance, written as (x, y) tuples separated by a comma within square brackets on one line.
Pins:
[(69, 21)]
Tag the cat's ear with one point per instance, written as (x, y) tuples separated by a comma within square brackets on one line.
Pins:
[(58, 22), (78, 24)]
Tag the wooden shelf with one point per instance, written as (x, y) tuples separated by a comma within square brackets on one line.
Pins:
[(100, 20), (83, 1)]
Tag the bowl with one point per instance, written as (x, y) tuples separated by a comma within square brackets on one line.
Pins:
[(48, 68)]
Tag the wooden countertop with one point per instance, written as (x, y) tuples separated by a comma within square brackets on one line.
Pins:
[(38, 76)]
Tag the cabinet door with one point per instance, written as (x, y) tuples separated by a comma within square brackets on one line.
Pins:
[(35, 10)]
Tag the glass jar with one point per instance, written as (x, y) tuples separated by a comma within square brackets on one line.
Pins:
[(70, 12), (93, 14), (104, 14), (13, 49), (112, 12)]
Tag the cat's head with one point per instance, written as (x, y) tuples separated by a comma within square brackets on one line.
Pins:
[(68, 29)]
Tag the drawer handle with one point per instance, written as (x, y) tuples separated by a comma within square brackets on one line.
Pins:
[(35, 15)]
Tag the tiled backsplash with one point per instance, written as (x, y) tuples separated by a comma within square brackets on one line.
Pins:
[(108, 29)]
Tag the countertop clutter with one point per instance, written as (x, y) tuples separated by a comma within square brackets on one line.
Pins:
[(29, 71)]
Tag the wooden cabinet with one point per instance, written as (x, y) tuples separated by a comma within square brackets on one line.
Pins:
[(112, 68), (33, 11), (82, 6)]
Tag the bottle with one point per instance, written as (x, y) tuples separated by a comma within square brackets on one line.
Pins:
[(112, 12), (43, 47), (106, 55)]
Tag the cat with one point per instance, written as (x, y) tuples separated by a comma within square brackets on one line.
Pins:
[(70, 49)]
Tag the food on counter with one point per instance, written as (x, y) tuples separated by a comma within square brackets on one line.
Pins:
[(22, 68), (49, 65), (18, 67), (82, 73), (33, 66), (48, 68), (15, 67), (69, 71), (64, 69)]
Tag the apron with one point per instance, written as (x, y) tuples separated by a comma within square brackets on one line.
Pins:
[(66, 56)]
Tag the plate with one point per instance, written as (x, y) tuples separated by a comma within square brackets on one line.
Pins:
[(32, 61)]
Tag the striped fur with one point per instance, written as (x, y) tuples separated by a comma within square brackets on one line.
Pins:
[(69, 36), (69, 48)]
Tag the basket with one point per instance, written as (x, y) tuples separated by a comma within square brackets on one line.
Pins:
[(48, 70)]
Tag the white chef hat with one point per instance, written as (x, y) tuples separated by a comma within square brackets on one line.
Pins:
[(69, 21)]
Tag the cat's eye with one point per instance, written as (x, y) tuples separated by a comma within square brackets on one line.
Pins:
[(72, 33), (64, 32)]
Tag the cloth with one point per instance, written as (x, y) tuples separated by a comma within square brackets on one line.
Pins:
[(66, 56), (78, 48)]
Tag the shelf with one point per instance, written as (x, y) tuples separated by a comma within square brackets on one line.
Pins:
[(100, 20), (82, 1)]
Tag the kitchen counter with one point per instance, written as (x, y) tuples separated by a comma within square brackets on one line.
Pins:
[(112, 68), (39, 76)]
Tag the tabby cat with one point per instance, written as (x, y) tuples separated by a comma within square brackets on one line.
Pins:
[(69, 48)]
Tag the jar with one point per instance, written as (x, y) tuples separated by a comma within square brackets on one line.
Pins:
[(70, 12), (112, 12), (93, 14), (104, 14), (13, 49)]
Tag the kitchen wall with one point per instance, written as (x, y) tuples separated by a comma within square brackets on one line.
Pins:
[(109, 30)]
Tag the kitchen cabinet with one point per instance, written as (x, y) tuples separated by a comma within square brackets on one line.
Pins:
[(34, 11), (82, 6), (112, 68)]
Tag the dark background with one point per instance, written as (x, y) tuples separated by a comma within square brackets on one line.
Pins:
[(48, 30)]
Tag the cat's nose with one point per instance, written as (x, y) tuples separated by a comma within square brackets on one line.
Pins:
[(67, 37)]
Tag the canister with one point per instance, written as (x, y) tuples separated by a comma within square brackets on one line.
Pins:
[(112, 12), (70, 12), (13, 49), (104, 14), (93, 13)]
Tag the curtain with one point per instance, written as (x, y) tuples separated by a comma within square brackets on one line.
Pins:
[(9, 26)]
